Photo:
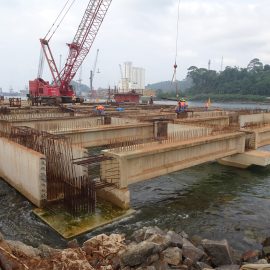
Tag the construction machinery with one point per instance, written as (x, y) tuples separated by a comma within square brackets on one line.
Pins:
[(60, 90)]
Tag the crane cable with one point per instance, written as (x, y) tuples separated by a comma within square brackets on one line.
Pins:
[(61, 12), (176, 44)]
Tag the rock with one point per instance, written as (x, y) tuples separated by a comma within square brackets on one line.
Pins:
[(193, 253), (137, 254), (138, 235), (1, 237), (104, 245), (151, 231), (262, 261), (160, 265), (146, 268), (46, 251), (9, 261), (188, 263), (71, 259), (187, 242), (202, 265), (266, 249), (115, 262), (196, 240), (266, 242), (255, 267), (172, 255), (250, 256), (20, 249), (219, 251), (184, 235), (73, 244), (228, 267), (150, 260), (176, 239), (161, 240)]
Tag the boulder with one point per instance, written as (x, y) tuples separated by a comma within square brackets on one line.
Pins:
[(152, 259), (146, 268), (161, 265), (73, 244), (104, 245), (9, 261), (161, 240), (255, 267), (193, 253), (262, 261), (152, 231), (172, 255), (19, 249), (1, 237), (46, 251), (70, 259), (176, 239), (202, 265), (184, 235), (138, 236), (219, 251), (250, 256), (228, 267), (137, 254), (187, 242), (188, 263)]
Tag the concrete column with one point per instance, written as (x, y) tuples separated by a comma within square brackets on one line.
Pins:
[(118, 197)]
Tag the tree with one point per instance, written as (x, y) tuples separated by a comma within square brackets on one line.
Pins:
[(255, 65)]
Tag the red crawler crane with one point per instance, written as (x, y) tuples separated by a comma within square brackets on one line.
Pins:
[(61, 90)]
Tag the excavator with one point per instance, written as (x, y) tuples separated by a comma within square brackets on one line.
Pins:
[(61, 90)]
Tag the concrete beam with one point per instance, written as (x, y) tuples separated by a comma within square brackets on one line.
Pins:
[(158, 159), (103, 135), (244, 160)]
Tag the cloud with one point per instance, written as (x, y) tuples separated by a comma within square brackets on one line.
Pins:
[(140, 31)]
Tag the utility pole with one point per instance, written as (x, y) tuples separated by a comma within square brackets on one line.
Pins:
[(209, 64), (221, 65), (92, 73)]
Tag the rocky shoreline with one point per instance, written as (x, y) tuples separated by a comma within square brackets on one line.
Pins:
[(149, 248)]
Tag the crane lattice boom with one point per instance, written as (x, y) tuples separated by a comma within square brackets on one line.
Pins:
[(84, 38), (78, 50)]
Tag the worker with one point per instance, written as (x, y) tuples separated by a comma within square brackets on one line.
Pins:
[(186, 105), (100, 109), (151, 101), (182, 105), (73, 98)]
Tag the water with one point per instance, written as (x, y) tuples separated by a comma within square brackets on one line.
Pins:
[(226, 105), (210, 200)]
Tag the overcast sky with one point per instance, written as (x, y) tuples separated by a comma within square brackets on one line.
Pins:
[(141, 31)]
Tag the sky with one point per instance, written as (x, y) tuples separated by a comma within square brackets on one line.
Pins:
[(140, 31)]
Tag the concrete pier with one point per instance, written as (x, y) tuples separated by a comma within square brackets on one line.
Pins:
[(24, 169), (154, 143)]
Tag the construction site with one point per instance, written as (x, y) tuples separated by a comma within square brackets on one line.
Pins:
[(63, 153), (73, 157)]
